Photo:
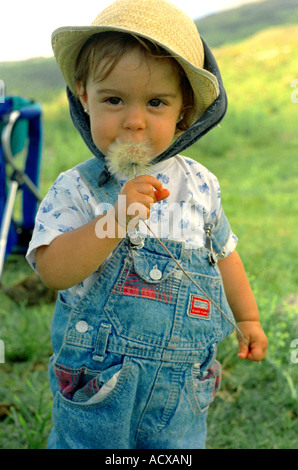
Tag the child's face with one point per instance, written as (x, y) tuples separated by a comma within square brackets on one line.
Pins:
[(140, 101)]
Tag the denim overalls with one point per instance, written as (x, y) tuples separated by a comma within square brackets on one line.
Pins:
[(134, 361)]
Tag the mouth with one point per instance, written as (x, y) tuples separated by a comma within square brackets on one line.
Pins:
[(129, 159)]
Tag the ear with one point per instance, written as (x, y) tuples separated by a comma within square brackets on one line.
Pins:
[(82, 95)]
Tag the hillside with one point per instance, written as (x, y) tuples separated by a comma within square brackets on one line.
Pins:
[(258, 75), (36, 78), (233, 25)]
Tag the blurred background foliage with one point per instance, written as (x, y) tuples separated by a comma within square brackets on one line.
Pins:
[(254, 155)]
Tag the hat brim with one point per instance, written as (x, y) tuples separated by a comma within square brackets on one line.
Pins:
[(67, 43)]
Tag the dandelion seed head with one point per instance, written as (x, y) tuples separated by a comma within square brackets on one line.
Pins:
[(129, 159)]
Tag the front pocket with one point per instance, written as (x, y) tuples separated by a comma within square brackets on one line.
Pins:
[(142, 302), (203, 389), (98, 387), (85, 388), (131, 283), (153, 267), (93, 424)]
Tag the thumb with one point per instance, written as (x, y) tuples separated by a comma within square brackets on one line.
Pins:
[(243, 350)]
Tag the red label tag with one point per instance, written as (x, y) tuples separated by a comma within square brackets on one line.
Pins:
[(199, 307)]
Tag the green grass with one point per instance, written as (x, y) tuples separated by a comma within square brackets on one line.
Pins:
[(257, 407), (254, 156), (24, 390)]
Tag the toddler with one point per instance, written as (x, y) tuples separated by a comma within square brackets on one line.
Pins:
[(134, 338)]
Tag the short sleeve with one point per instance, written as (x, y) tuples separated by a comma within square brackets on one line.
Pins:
[(67, 206), (223, 239)]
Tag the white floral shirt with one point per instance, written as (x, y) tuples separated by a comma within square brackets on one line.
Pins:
[(194, 201)]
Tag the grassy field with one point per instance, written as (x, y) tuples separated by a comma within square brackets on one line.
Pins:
[(254, 155)]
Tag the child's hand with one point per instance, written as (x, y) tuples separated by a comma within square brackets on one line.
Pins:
[(143, 190), (256, 338)]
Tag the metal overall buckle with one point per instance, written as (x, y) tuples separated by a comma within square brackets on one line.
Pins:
[(212, 256), (136, 241)]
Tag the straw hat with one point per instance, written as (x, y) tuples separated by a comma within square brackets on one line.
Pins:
[(158, 20)]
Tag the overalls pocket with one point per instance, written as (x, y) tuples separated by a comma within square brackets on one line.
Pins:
[(81, 420), (202, 389), (141, 305), (82, 368), (84, 389)]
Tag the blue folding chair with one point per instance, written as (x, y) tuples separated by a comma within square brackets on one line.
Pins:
[(20, 158)]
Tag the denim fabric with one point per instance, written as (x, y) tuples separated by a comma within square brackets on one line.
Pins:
[(159, 337), (134, 363)]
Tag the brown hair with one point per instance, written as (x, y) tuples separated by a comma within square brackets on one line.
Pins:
[(113, 45)]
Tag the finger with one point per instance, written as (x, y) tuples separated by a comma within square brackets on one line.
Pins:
[(243, 351), (243, 348), (143, 189), (256, 353), (149, 180), (146, 198)]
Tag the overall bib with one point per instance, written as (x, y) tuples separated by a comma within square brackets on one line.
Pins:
[(134, 361)]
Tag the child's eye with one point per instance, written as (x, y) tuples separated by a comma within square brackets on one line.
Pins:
[(114, 100), (156, 103)]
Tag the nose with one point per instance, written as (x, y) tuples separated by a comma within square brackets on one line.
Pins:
[(134, 118)]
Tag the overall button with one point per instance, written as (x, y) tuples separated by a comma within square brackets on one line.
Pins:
[(82, 326), (136, 240), (155, 274)]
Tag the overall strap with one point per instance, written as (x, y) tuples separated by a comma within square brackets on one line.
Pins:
[(90, 171)]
